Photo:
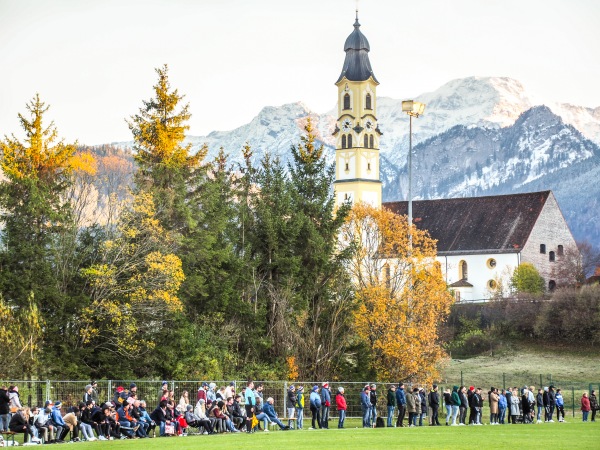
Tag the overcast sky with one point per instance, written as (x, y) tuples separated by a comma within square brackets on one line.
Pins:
[(94, 60)]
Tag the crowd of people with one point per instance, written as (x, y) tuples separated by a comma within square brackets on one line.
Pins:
[(212, 410)]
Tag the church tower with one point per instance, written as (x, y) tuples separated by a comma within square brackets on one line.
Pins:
[(357, 133)]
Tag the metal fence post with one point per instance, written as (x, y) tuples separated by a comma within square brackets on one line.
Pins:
[(573, 397), (110, 390), (503, 381), (461, 379), (47, 389), (541, 382), (285, 389)]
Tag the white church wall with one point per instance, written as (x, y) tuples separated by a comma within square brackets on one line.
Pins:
[(481, 269)]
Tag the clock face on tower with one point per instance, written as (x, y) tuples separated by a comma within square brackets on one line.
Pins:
[(346, 125), (369, 125)]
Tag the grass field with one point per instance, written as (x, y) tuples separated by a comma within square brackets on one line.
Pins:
[(555, 436)]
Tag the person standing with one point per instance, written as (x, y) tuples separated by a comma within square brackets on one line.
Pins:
[(391, 404), (539, 403), (325, 405), (455, 404), (502, 405), (340, 404), (300, 407), (434, 404), (493, 406), (291, 404), (560, 406), (464, 405), (551, 403), (423, 412), (448, 404), (249, 404), (315, 407), (365, 403), (585, 406), (593, 404), (411, 407), (373, 399), (401, 402), (4, 409), (508, 404)]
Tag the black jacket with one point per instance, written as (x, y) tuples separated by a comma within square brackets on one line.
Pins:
[(17, 423), (464, 401), (434, 400), (4, 402), (158, 415)]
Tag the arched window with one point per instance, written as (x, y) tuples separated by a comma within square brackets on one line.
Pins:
[(347, 101), (463, 270), (551, 285), (371, 141), (368, 102), (543, 248), (349, 141), (366, 141), (343, 141), (551, 257), (561, 250)]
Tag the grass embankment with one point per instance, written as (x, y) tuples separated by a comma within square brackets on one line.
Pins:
[(523, 363), (555, 436)]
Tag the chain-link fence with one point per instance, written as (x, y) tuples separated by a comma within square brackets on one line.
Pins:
[(36, 392)]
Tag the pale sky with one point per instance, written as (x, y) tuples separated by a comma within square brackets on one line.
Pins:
[(93, 60)]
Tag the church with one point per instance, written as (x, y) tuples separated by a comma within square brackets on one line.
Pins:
[(480, 240)]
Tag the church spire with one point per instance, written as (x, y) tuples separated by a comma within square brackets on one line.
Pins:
[(357, 66)]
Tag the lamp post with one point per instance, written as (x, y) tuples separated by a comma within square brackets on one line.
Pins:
[(413, 109)]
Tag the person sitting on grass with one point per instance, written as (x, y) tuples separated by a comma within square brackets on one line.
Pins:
[(269, 410), (19, 423)]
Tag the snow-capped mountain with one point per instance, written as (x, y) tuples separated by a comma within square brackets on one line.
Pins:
[(479, 135)]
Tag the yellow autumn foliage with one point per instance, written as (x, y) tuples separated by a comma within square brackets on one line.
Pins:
[(401, 294)]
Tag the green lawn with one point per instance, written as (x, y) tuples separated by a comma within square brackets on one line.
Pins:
[(553, 436)]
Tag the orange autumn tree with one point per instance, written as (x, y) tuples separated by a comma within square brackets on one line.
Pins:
[(402, 297)]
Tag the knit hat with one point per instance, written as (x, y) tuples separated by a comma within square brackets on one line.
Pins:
[(326, 385), (120, 389), (292, 387), (300, 388), (58, 404), (132, 385), (315, 388), (88, 387)]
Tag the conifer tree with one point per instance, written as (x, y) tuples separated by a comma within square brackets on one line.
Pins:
[(165, 162), (34, 214)]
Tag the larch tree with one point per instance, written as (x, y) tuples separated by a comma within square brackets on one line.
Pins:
[(36, 214), (402, 297), (165, 163)]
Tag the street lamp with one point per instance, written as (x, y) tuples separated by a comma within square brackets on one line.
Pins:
[(413, 109)]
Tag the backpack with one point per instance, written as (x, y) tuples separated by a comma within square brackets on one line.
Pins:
[(379, 423)]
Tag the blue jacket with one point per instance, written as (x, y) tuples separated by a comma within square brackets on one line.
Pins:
[(365, 399), (57, 417), (315, 400), (325, 395), (400, 397), (502, 402), (559, 400), (269, 410)]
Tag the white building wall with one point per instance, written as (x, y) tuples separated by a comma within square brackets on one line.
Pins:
[(479, 272)]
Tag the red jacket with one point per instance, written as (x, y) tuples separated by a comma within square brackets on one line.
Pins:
[(585, 404), (340, 402)]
